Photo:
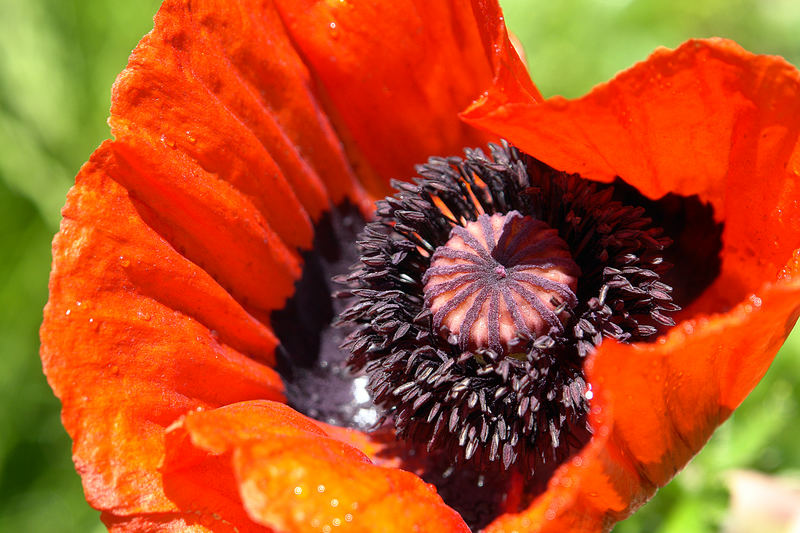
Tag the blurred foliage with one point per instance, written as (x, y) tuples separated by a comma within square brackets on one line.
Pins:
[(572, 45), (58, 60)]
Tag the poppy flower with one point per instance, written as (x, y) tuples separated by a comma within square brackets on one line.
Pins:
[(188, 328)]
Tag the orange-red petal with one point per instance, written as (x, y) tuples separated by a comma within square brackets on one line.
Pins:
[(511, 82), (655, 405), (222, 83), (292, 476), (183, 234), (708, 119), (135, 335), (401, 72)]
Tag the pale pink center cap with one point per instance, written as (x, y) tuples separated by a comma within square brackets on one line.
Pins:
[(500, 276)]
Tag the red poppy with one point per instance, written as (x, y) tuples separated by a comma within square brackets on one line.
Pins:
[(237, 125)]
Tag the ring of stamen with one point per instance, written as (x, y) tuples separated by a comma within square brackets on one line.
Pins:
[(462, 385)]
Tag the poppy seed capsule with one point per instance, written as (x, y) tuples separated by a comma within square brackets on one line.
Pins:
[(499, 277)]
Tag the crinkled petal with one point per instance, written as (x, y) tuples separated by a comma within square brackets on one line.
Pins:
[(655, 405), (135, 335), (401, 72), (181, 236), (707, 119), (512, 82), (219, 85), (294, 477)]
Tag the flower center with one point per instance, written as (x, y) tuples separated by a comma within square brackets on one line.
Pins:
[(499, 280), (475, 389), (480, 289)]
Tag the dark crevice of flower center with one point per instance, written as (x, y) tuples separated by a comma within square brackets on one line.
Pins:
[(478, 496), (695, 252), (310, 362)]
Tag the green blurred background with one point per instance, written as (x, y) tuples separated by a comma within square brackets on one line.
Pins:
[(58, 59)]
